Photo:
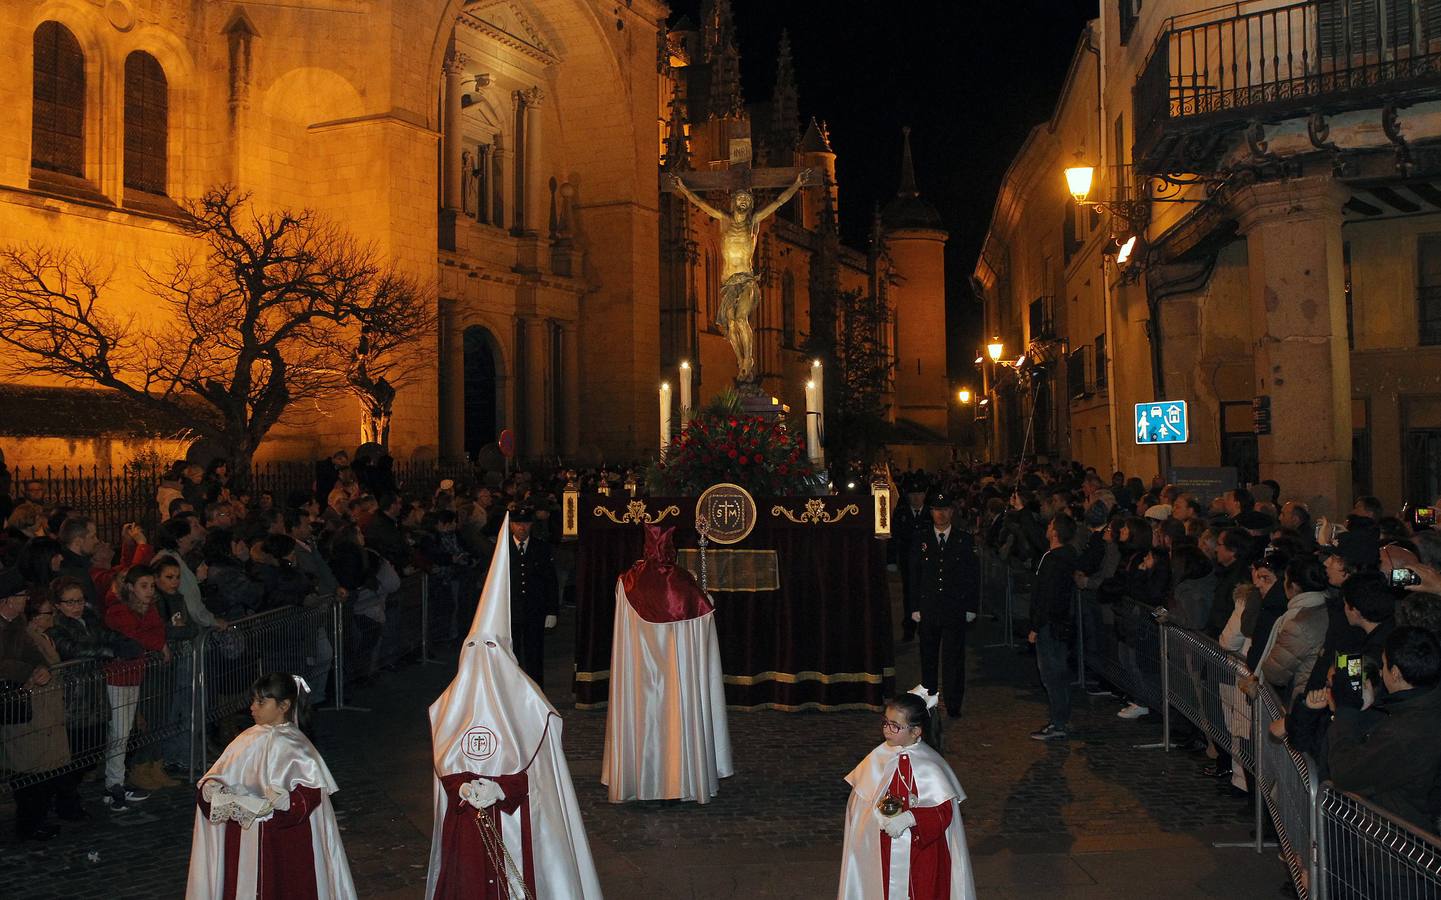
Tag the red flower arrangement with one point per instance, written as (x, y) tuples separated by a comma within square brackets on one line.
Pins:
[(758, 454)]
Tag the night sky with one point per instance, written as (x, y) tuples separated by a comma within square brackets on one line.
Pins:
[(971, 77)]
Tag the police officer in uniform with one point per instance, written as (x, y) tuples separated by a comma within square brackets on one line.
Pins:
[(910, 521), (534, 594), (944, 574)]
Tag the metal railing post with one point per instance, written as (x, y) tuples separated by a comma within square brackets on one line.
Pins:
[(203, 726), (1165, 689), (338, 611), (1258, 782), (1080, 619), (197, 690), (1007, 615), (1315, 884)]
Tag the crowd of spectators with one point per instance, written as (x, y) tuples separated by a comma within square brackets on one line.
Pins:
[(216, 553), (1254, 571)]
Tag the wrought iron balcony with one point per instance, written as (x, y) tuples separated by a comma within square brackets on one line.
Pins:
[(1211, 73)]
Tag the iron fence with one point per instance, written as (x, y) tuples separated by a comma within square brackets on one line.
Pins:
[(115, 497)]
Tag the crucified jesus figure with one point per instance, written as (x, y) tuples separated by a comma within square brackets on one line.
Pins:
[(739, 293)]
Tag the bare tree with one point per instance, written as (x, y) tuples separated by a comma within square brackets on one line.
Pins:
[(254, 316)]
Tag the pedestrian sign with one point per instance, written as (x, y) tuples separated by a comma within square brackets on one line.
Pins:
[(1164, 422)]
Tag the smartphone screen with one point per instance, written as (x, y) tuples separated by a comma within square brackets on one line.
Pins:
[(1346, 686), (1426, 516)]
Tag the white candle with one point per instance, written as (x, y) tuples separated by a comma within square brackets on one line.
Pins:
[(813, 422), (819, 377), (685, 407), (664, 417)]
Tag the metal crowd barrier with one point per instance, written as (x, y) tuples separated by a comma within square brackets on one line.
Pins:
[(1336, 845), (1365, 853), (200, 693)]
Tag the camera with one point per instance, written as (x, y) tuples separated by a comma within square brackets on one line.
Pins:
[(1425, 517), (1402, 577)]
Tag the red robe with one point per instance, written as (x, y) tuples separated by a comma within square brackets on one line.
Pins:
[(287, 859), (466, 871), (930, 858)]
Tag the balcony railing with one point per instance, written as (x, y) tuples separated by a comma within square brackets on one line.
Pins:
[(1250, 62)]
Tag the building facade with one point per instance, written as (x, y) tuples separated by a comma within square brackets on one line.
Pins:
[(1270, 162), (504, 153)]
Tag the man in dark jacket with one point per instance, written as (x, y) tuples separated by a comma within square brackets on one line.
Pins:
[(945, 577), (383, 534), (911, 520), (1390, 752), (1051, 623), (534, 594), (1233, 566), (77, 544)]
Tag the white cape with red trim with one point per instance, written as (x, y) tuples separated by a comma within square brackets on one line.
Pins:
[(493, 720), (268, 761), (861, 855), (666, 736)]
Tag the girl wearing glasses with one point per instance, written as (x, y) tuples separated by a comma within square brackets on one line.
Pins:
[(904, 836)]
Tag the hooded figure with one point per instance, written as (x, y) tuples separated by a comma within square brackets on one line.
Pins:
[(500, 771), (665, 731)]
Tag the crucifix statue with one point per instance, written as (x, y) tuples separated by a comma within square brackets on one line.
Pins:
[(740, 228)]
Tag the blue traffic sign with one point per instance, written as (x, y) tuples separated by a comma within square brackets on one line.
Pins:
[(1164, 422)]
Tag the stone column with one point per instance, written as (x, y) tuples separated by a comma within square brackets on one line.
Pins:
[(450, 167), (505, 156), (1298, 316), (537, 189), (452, 382), (570, 389), (538, 375)]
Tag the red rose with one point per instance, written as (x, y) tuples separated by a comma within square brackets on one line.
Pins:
[(732, 454), (783, 469)]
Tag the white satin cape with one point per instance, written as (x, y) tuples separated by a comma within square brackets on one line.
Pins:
[(268, 761), (861, 856), (666, 736), (493, 720)]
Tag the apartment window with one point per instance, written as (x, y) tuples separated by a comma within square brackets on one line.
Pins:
[(57, 123), (1428, 288), (1130, 11), (146, 123), (1100, 361)]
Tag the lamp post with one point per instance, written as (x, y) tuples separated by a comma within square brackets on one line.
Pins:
[(994, 349)]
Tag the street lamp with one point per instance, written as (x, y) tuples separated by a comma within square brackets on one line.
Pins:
[(995, 348), (1078, 182), (964, 395)]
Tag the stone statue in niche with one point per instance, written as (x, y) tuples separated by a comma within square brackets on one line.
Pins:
[(469, 184)]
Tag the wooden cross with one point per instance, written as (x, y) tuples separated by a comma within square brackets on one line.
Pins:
[(740, 175)]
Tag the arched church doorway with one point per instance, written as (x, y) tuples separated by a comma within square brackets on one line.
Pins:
[(481, 390)]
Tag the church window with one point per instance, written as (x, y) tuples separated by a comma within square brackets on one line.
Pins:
[(146, 123), (788, 310), (57, 125)]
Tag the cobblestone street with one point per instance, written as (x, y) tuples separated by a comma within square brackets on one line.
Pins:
[(1094, 817)]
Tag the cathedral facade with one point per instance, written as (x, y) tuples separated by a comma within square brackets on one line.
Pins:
[(503, 153)]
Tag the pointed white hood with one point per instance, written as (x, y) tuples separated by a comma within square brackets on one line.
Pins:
[(492, 718)]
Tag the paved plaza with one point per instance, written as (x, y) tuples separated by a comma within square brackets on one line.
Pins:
[(1091, 818)]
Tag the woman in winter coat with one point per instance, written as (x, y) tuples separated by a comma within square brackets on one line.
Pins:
[(32, 732), (1297, 637), (79, 636), (1195, 581)]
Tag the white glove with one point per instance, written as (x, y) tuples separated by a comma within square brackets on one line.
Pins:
[(550, 622), (896, 825), (970, 617), (481, 793), (916, 616)]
